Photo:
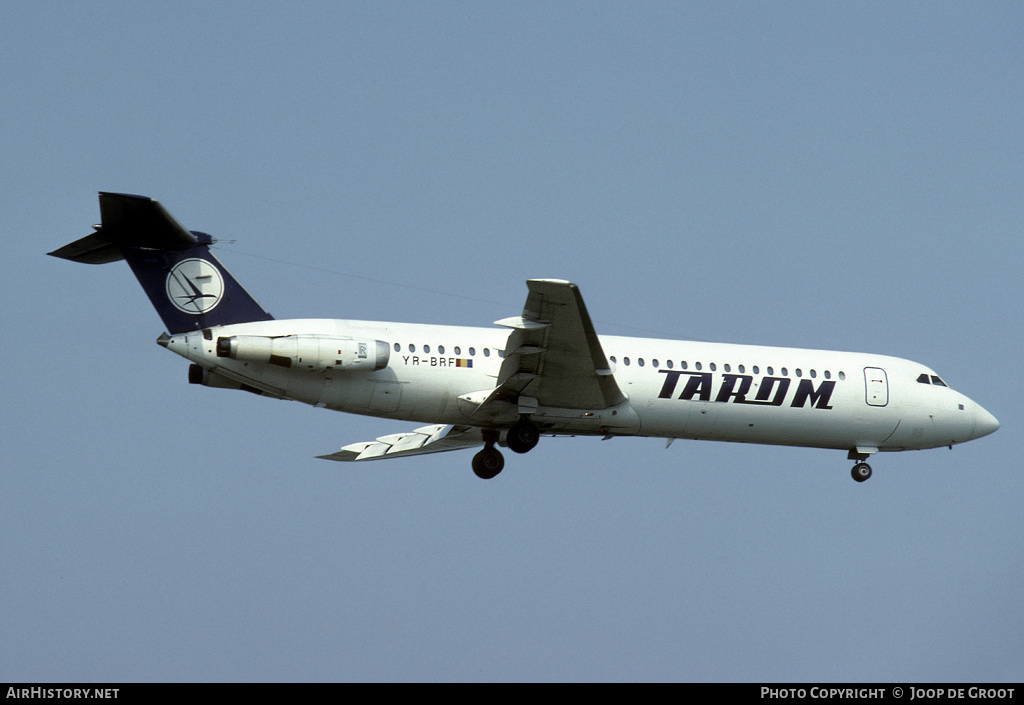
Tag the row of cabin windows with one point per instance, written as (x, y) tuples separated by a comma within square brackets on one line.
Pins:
[(641, 362), (756, 369), (440, 350)]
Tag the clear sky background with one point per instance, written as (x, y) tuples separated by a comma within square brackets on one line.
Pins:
[(831, 175)]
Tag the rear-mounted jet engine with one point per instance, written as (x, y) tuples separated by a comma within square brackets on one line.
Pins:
[(311, 352)]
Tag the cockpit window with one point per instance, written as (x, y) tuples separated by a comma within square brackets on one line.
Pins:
[(925, 378)]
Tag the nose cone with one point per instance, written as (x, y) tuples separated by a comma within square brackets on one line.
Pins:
[(984, 422)]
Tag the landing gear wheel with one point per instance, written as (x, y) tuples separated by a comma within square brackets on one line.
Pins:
[(861, 472), (488, 463), (522, 437)]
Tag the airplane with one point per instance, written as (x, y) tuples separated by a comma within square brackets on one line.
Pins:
[(543, 373)]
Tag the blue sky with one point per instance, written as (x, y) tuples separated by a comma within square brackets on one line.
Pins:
[(830, 175)]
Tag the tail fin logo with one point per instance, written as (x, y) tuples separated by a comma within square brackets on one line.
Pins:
[(194, 286)]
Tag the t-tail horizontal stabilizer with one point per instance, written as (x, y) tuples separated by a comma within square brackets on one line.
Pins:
[(187, 284)]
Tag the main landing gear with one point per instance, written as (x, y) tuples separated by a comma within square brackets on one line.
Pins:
[(521, 438), (488, 462)]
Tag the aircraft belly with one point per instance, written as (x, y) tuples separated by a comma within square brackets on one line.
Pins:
[(834, 427), (414, 395), (620, 420), (928, 428), (350, 394)]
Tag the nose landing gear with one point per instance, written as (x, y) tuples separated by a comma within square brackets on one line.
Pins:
[(861, 472)]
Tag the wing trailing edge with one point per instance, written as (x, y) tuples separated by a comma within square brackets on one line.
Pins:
[(427, 439)]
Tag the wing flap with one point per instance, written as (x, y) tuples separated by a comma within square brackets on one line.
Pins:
[(428, 439)]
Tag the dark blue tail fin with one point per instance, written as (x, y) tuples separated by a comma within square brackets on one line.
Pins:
[(186, 283)]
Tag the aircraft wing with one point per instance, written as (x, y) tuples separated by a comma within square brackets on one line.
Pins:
[(553, 354), (428, 439)]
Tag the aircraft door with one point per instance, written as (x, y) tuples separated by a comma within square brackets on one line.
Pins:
[(876, 386)]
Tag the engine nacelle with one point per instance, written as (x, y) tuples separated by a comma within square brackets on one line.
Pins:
[(197, 374), (311, 352)]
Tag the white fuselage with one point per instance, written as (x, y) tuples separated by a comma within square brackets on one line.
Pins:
[(675, 389)]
